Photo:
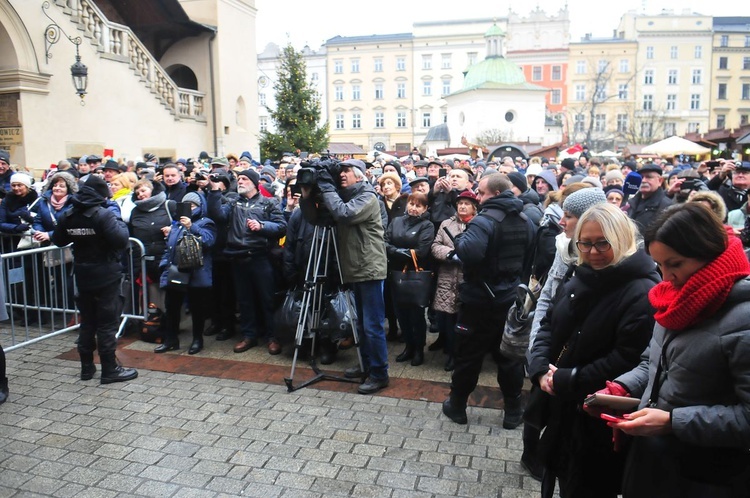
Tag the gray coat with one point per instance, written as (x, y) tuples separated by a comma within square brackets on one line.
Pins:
[(707, 386)]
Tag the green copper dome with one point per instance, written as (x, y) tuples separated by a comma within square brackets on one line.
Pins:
[(494, 31), (494, 70)]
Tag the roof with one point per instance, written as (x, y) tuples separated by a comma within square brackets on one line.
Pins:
[(344, 148), (494, 70), (494, 31), (351, 40), (500, 86), (439, 133)]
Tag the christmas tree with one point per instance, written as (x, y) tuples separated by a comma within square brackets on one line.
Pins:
[(297, 111)]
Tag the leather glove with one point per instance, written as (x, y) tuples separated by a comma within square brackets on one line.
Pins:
[(22, 227)]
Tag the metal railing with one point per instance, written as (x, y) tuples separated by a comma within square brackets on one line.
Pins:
[(38, 288)]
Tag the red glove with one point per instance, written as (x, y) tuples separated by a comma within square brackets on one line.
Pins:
[(614, 388)]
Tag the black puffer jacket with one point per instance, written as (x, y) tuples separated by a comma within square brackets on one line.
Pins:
[(409, 232)]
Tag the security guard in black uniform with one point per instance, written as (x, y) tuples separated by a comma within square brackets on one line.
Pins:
[(99, 238), (492, 250)]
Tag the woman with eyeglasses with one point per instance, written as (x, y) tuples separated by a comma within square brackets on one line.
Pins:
[(599, 324), (692, 428)]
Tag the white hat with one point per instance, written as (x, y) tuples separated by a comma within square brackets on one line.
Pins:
[(21, 178), (533, 170)]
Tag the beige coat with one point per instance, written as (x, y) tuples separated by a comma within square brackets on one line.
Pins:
[(450, 273)]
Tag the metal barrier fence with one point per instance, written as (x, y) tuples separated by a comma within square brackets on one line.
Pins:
[(39, 288)]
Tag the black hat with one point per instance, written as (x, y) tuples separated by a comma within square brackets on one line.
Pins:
[(140, 165), (203, 155), (518, 180), (417, 180), (252, 174), (650, 167), (93, 158), (568, 163), (631, 164), (110, 164), (435, 161), (97, 186), (421, 164), (149, 157)]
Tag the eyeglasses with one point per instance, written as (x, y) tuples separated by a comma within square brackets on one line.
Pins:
[(601, 246)]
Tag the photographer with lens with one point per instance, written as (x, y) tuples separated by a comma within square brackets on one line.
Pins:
[(346, 199), (732, 182)]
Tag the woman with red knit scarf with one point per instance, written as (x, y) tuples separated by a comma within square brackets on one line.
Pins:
[(693, 426)]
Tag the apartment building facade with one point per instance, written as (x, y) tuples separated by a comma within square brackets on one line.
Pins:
[(730, 73)]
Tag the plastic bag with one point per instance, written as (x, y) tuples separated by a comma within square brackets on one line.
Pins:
[(339, 316)]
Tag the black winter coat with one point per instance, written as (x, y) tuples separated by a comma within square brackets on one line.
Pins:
[(409, 232)]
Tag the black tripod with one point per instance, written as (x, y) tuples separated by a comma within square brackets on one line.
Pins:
[(311, 310)]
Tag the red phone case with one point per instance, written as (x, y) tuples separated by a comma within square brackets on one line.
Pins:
[(611, 418)]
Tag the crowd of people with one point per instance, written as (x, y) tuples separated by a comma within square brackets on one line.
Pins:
[(639, 267)]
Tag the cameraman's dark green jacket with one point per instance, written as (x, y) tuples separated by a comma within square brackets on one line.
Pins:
[(360, 232)]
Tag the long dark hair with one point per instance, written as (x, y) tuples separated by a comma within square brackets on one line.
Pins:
[(691, 229)]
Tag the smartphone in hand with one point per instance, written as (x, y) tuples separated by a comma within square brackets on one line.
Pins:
[(611, 418), (183, 209)]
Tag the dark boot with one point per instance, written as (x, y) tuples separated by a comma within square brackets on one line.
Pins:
[(406, 354), (113, 372), (418, 358), (88, 369), (167, 345), (455, 409), (513, 413), (438, 344), (4, 390), (196, 347)]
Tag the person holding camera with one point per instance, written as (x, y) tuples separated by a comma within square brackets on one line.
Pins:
[(254, 225), (732, 183), (354, 207)]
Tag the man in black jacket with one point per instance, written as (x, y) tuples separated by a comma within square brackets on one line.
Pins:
[(254, 225), (98, 238), (650, 200), (492, 250)]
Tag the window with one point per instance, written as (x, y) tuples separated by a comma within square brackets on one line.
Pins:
[(746, 63), (647, 130), (722, 93), (600, 122), (579, 125), (472, 58), (624, 66), (745, 91), (556, 73), (356, 92), (672, 77), (648, 77), (695, 101), (445, 117), (580, 92), (263, 123), (401, 119), (603, 64), (672, 102), (556, 96), (693, 127), (743, 119), (446, 86), (622, 91), (262, 99), (600, 94), (698, 52), (445, 61), (378, 91), (649, 52), (338, 66), (314, 77), (648, 102), (379, 120), (581, 67), (427, 88), (427, 61), (723, 63), (356, 121), (721, 120), (355, 65), (378, 64), (697, 77), (400, 63), (426, 120), (622, 123), (339, 121), (724, 41), (747, 41), (400, 90), (338, 92), (673, 52), (670, 129), (536, 73)]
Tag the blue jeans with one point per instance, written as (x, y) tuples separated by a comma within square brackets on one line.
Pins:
[(368, 299)]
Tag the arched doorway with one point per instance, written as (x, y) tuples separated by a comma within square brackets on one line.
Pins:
[(183, 76), (507, 150)]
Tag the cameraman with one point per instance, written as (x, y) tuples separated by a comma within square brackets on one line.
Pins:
[(732, 183), (355, 208)]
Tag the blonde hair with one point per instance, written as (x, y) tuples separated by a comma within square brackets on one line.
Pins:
[(125, 180), (618, 229)]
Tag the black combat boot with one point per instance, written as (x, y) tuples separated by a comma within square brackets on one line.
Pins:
[(113, 372), (455, 409), (513, 413), (88, 369)]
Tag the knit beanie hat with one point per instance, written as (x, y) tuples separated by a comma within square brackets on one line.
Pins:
[(21, 178), (192, 197), (518, 181), (615, 174), (98, 185), (252, 174), (578, 202)]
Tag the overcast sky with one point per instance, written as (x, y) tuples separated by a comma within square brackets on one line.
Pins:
[(306, 22)]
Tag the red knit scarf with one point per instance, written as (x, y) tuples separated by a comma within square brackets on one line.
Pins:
[(704, 292)]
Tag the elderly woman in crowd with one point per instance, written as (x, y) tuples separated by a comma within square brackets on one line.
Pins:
[(692, 428), (450, 273), (411, 232), (16, 214), (597, 328), (55, 201), (198, 289)]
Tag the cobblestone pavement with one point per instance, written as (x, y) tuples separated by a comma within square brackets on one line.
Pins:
[(177, 435)]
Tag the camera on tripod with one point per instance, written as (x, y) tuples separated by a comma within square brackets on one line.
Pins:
[(309, 174)]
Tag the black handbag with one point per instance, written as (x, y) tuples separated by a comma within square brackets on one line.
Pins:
[(188, 252), (412, 287), (537, 411), (177, 279)]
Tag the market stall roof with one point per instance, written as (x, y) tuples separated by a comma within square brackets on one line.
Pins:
[(674, 146), (345, 148)]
